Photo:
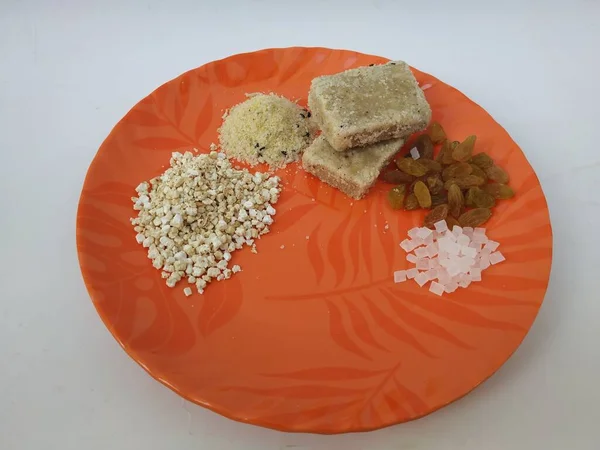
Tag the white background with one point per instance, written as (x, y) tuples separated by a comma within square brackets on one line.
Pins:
[(70, 70)]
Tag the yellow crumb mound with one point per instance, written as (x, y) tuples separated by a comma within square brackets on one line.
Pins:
[(266, 128)]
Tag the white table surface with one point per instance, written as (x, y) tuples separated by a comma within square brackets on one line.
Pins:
[(70, 69)]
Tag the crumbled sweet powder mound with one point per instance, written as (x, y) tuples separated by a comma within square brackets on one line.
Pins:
[(198, 212), (266, 128), (450, 259)]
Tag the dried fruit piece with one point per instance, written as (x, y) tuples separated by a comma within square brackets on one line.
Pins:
[(423, 195), (439, 199), (396, 196), (411, 167), (431, 165), (411, 202), (445, 155), (499, 191), (397, 177), (435, 215), (451, 222), (497, 174), (464, 150), (437, 133), (478, 198), (434, 183), (464, 182), (482, 160), (475, 217), (457, 170), (424, 146), (478, 171), (456, 200)]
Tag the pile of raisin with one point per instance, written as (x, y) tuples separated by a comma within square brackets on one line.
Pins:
[(457, 185)]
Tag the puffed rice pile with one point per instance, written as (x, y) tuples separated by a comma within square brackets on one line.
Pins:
[(198, 212)]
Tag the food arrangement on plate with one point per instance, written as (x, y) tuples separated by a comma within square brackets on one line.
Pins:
[(202, 209), (298, 212)]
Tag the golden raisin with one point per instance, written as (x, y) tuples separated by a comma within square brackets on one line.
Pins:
[(424, 146), (475, 217), (397, 177), (457, 170), (439, 199), (438, 213), (431, 165), (411, 202), (437, 133), (396, 196), (464, 182), (478, 198), (451, 222), (482, 160), (456, 200), (411, 167), (423, 195), (434, 183), (445, 155), (499, 191), (464, 150), (497, 174), (478, 171)]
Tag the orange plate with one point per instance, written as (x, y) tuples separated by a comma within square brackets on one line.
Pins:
[(313, 335)]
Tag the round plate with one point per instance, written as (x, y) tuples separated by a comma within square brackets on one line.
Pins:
[(313, 335)]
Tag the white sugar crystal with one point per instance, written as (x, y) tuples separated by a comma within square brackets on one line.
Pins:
[(422, 252), (423, 233), (451, 287), (463, 240), (407, 245), (484, 252), (484, 263), (465, 283), (450, 260), (479, 231), (414, 153), (412, 233), (436, 288), (469, 251), (475, 274), (432, 250), (423, 264), (421, 279), (450, 236), (496, 258), (431, 274), (434, 263), (417, 242), (491, 245), (440, 226), (480, 238), (443, 276), (453, 249), (411, 273), (476, 245), (399, 276)]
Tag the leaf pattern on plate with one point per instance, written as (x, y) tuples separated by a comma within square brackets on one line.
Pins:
[(317, 338), (313, 251), (339, 334), (221, 306)]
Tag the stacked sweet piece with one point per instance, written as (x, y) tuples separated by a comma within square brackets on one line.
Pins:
[(364, 115)]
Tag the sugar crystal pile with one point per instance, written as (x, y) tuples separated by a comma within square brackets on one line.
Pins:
[(450, 259)]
